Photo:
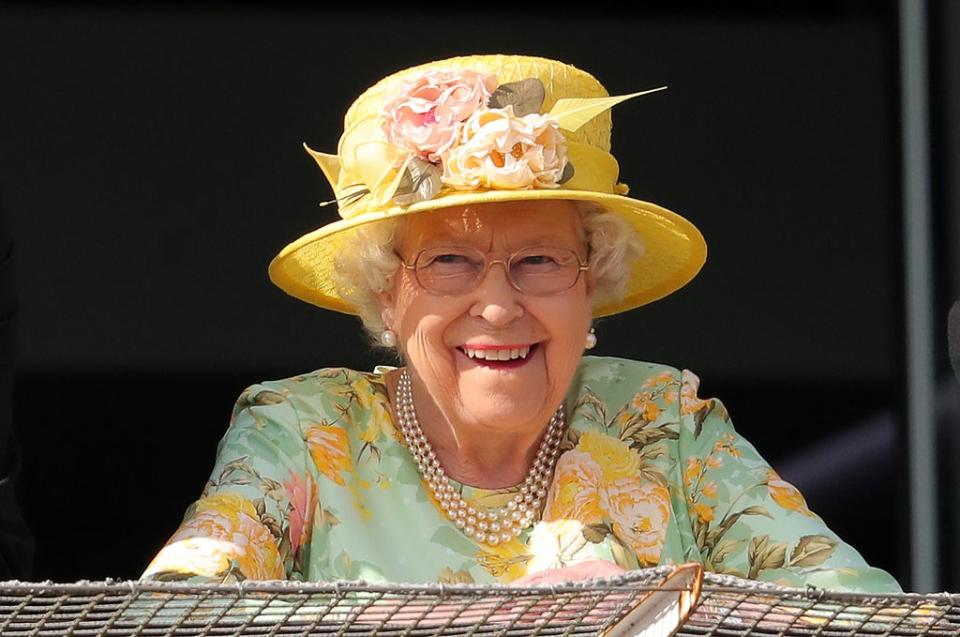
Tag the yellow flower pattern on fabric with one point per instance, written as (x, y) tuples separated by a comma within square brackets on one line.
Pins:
[(312, 483), (224, 529), (330, 450), (506, 561), (202, 556), (373, 399), (614, 457), (599, 483)]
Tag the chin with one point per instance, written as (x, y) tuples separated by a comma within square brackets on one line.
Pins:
[(504, 413)]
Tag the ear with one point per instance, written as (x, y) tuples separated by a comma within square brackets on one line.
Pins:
[(388, 312), (591, 286), (590, 289)]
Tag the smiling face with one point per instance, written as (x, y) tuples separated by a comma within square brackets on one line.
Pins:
[(449, 342)]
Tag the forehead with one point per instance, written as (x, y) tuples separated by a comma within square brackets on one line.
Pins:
[(503, 224)]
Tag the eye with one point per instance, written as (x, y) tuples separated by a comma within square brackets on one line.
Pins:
[(538, 259), (545, 260), (446, 261), (449, 259)]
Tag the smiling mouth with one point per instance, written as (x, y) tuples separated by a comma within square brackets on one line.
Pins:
[(499, 357)]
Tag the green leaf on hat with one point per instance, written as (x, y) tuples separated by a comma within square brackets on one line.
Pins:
[(572, 113), (420, 181), (526, 96), (567, 173)]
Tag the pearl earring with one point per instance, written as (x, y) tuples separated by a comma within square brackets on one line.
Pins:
[(388, 338), (591, 339)]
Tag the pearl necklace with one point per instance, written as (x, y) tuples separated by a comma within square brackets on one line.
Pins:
[(490, 527)]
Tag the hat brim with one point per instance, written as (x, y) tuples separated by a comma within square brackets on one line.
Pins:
[(674, 248)]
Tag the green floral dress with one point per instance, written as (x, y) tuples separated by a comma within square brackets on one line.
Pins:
[(313, 482)]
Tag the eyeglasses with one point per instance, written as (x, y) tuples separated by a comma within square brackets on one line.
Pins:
[(536, 270)]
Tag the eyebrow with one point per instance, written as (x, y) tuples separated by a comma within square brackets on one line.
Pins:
[(447, 236)]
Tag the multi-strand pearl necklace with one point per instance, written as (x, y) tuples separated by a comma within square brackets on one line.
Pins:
[(489, 527)]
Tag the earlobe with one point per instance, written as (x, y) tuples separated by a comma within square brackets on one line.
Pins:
[(591, 340)]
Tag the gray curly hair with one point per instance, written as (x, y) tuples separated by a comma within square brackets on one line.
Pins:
[(367, 262)]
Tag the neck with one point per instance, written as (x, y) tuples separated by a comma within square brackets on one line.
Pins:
[(470, 455), (489, 462)]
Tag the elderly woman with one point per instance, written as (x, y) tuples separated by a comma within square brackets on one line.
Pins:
[(483, 229)]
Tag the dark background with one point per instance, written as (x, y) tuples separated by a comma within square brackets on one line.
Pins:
[(151, 166)]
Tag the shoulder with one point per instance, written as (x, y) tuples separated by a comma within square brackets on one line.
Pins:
[(624, 367), (330, 396), (620, 379), (624, 372)]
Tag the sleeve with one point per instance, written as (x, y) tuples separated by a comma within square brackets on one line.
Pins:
[(749, 522), (253, 519)]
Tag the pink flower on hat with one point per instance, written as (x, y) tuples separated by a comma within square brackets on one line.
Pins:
[(499, 150), (426, 115)]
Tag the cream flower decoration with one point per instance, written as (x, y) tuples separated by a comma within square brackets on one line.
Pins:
[(500, 150)]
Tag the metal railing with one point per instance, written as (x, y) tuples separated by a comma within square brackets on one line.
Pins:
[(721, 605)]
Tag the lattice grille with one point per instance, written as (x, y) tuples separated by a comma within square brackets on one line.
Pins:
[(727, 607), (730, 606)]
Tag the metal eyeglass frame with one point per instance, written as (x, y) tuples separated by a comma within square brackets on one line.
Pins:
[(583, 266)]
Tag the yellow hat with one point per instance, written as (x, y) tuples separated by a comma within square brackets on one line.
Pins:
[(483, 128)]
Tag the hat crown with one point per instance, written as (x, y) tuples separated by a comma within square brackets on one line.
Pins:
[(560, 80), (384, 169)]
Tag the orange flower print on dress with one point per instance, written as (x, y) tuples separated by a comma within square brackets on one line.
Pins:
[(330, 450), (726, 444), (640, 513), (302, 493), (786, 495), (645, 404), (224, 527), (689, 402), (663, 378), (704, 512), (693, 471)]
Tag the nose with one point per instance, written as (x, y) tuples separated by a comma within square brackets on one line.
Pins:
[(496, 300)]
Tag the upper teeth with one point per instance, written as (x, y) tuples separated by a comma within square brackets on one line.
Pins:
[(498, 354)]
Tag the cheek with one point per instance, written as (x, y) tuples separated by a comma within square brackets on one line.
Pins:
[(423, 321), (571, 317), (568, 322)]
